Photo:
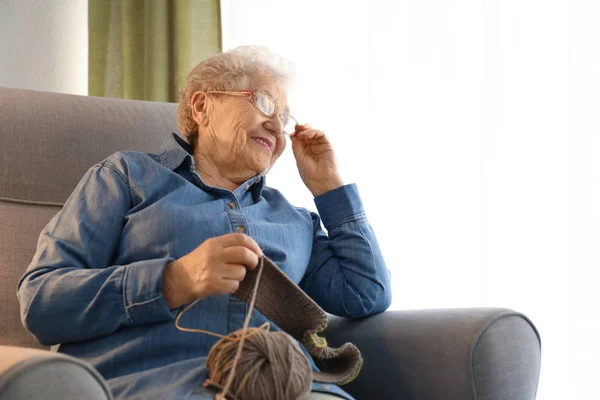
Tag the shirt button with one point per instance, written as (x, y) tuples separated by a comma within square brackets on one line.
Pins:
[(231, 205), (241, 229)]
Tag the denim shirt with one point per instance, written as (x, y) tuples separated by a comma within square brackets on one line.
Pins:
[(94, 285)]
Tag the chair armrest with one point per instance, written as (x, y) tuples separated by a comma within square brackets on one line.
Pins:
[(451, 354), (38, 374)]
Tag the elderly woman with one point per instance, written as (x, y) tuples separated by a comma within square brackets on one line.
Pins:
[(142, 235)]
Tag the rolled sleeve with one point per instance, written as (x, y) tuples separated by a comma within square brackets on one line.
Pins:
[(143, 292), (339, 206), (347, 274), (71, 280)]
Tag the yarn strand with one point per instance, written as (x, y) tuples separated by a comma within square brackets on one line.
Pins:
[(241, 339), (181, 328), (271, 365), (244, 330)]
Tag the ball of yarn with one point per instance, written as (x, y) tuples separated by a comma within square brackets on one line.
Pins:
[(271, 366)]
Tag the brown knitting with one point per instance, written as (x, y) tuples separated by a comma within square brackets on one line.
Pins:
[(284, 303)]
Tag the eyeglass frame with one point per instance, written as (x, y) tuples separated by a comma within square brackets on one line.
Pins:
[(251, 94)]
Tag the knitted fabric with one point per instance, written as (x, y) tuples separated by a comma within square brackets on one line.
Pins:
[(284, 303)]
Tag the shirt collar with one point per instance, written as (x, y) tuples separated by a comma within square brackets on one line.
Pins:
[(176, 150), (256, 186)]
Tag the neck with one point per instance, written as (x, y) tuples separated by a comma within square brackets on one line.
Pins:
[(214, 176)]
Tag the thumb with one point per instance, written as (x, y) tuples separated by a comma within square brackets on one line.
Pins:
[(298, 149)]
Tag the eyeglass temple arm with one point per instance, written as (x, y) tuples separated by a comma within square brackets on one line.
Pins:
[(243, 93)]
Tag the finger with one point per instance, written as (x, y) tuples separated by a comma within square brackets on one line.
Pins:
[(240, 255), (229, 285), (300, 128), (320, 149), (233, 271), (298, 148), (239, 239), (310, 134)]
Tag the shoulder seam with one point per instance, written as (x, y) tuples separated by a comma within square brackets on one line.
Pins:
[(109, 165)]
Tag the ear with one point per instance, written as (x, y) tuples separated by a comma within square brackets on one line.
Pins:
[(198, 106)]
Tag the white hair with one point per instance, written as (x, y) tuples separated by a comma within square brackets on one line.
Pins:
[(230, 70)]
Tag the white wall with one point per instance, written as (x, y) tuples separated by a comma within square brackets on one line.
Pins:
[(44, 45), (472, 130)]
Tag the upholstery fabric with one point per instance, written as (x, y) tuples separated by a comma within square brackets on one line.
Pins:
[(20, 226), (39, 135), (462, 354), (40, 132), (34, 374), (506, 360)]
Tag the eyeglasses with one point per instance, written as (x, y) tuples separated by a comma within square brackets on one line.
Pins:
[(266, 105)]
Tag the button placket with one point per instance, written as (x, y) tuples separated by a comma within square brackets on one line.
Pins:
[(236, 217)]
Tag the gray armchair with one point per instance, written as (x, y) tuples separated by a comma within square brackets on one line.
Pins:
[(48, 141)]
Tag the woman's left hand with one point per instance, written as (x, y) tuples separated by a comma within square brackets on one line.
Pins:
[(315, 159)]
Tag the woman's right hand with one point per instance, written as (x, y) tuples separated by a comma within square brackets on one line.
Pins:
[(215, 267)]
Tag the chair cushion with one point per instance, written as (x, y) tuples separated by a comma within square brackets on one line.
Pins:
[(35, 374), (49, 140), (19, 230)]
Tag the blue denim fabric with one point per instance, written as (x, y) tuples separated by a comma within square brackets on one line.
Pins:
[(95, 282)]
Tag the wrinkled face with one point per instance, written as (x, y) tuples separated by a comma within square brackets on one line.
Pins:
[(237, 137)]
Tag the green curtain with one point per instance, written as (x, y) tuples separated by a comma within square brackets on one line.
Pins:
[(144, 49)]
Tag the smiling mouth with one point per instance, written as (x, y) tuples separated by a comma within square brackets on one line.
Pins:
[(263, 142)]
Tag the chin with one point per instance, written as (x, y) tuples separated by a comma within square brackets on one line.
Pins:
[(263, 170), (262, 166)]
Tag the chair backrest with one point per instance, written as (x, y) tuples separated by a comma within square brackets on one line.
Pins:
[(47, 142)]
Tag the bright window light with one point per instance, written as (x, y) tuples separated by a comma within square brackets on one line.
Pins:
[(472, 131)]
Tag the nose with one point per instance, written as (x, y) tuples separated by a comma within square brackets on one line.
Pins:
[(274, 125)]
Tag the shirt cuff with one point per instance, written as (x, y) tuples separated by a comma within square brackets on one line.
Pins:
[(143, 292), (339, 206)]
